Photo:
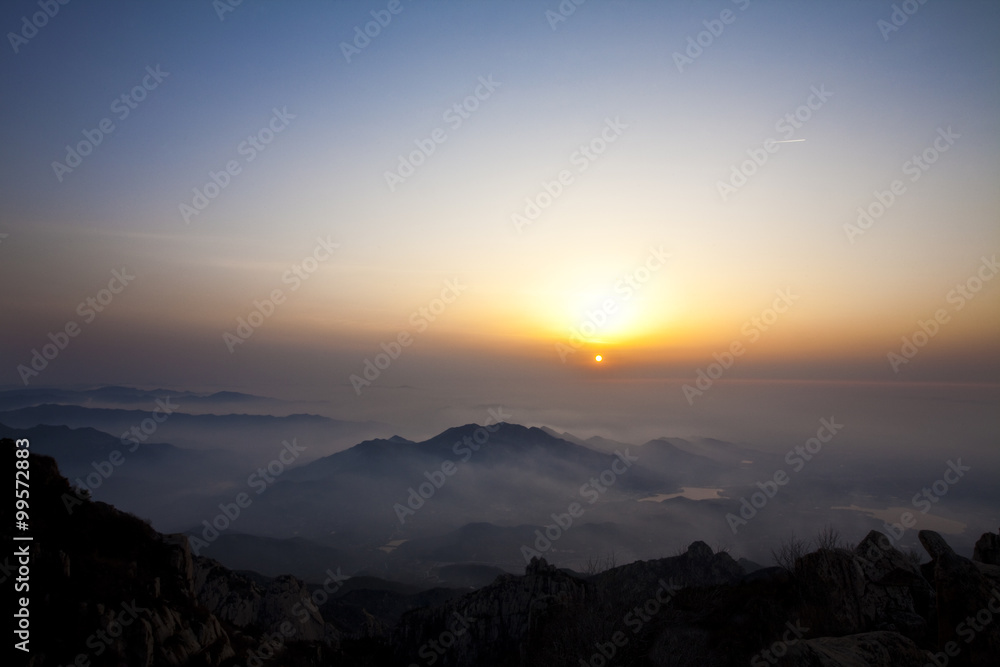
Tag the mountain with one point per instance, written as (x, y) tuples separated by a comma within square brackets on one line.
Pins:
[(594, 442), (398, 489), (106, 589), (713, 449), (405, 510), (157, 481), (272, 557), (114, 396), (259, 436), (77, 449), (400, 509)]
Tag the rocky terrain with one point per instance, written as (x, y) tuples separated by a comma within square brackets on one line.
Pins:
[(106, 589)]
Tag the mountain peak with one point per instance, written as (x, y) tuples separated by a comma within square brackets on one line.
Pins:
[(505, 432)]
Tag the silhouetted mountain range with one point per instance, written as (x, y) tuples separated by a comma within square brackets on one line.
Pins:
[(111, 395), (198, 431), (107, 587), (401, 509)]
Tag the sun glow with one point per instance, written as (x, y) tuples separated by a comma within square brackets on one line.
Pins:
[(598, 358)]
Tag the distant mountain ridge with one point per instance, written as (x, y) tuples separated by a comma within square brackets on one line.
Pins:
[(868, 605), (244, 432), (30, 396)]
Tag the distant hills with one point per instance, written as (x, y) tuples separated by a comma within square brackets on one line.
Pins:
[(107, 589), (469, 500), (255, 435), (106, 396)]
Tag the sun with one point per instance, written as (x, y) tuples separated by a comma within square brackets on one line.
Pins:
[(598, 358)]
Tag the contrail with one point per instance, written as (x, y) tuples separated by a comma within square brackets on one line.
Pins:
[(788, 141)]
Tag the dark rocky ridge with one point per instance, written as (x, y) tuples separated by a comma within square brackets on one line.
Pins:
[(866, 606)]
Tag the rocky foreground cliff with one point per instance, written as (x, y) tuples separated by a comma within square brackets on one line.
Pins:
[(106, 589)]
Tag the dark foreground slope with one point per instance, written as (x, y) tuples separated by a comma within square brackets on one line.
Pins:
[(106, 589)]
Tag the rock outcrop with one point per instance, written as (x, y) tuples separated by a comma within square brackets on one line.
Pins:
[(237, 599), (870, 649), (106, 589), (987, 549), (874, 587), (492, 624), (968, 604)]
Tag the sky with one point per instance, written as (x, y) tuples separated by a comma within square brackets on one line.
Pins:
[(492, 193)]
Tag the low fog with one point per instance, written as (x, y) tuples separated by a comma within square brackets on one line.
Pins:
[(745, 468)]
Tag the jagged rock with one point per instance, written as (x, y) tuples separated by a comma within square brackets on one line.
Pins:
[(698, 566), (967, 593), (700, 551), (897, 597), (93, 565), (231, 596), (987, 549), (237, 599), (874, 588), (491, 624), (935, 545), (287, 599), (373, 627), (881, 558), (833, 586), (869, 649), (539, 566), (181, 560)]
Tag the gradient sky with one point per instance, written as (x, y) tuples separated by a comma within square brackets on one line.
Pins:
[(655, 186)]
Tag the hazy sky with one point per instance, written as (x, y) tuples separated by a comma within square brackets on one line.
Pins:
[(619, 123)]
